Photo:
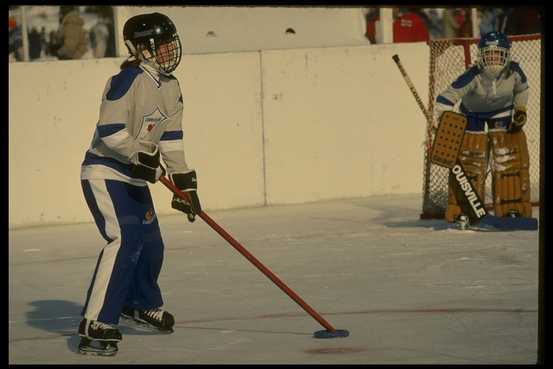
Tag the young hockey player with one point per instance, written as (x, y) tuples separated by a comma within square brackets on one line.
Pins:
[(139, 122), (493, 92)]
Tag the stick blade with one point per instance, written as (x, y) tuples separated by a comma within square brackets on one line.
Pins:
[(331, 334)]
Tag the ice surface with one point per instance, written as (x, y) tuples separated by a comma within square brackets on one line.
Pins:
[(406, 292)]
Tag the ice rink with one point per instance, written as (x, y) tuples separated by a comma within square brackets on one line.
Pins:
[(408, 290)]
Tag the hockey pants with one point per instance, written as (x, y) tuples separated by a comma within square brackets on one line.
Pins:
[(128, 266)]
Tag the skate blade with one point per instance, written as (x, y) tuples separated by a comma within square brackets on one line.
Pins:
[(143, 327), (97, 348)]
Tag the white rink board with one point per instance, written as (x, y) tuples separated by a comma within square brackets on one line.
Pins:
[(272, 127), (341, 122)]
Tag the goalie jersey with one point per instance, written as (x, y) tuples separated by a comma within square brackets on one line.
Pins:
[(483, 97), (139, 105)]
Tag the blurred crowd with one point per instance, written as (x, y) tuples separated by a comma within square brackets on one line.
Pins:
[(423, 24), (69, 35)]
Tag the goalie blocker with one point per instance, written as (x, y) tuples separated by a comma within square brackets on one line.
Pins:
[(447, 150)]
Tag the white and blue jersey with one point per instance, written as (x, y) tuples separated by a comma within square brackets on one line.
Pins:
[(138, 105), (484, 99)]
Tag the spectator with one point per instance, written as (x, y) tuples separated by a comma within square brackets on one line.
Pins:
[(434, 23), (99, 36), (54, 43), (523, 20), (73, 35), (463, 16), (43, 41), (372, 17), (15, 50), (35, 44), (409, 27), (451, 23), (490, 20)]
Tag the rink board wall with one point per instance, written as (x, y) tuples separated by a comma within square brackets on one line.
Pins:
[(261, 128)]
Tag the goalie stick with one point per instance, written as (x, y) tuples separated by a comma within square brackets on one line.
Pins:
[(411, 86), (330, 331)]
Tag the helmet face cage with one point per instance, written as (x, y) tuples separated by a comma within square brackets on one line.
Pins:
[(494, 52), (153, 38), (166, 54), (494, 58)]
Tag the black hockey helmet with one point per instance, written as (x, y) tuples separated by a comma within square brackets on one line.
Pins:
[(153, 37)]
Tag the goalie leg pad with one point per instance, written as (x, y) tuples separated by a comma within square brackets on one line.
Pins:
[(511, 177), (474, 158)]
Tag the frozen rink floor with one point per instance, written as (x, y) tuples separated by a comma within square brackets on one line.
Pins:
[(408, 293)]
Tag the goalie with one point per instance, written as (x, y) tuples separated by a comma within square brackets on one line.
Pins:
[(493, 92)]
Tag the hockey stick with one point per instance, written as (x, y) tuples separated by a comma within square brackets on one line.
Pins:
[(417, 98), (330, 332)]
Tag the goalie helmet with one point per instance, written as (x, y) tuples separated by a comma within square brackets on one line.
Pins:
[(494, 53), (153, 38)]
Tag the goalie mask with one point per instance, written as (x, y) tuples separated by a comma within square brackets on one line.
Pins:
[(494, 53), (153, 38)]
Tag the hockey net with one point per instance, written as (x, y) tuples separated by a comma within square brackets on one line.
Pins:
[(448, 59)]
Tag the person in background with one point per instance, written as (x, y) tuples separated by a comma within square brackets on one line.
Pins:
[(35, 44), (409, 26), (99, 35), (434, 22), (15, 50), (493, 95), (451, 23), (73, 35), (490, 20), (372, 17), (523, 20)]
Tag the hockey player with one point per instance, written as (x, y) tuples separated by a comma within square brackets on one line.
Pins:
[(493, 92), (139, 123)]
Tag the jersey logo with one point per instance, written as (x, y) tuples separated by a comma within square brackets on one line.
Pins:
[(150, 121)]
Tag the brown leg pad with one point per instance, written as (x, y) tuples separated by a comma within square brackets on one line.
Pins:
[(474, 158), (511, 179)]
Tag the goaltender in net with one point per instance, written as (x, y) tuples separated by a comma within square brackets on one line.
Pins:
[(493, 92)]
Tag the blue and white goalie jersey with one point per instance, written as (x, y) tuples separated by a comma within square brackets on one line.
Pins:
[(484, 97), (139, 106)]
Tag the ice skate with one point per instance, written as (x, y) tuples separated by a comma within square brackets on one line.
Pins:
[(151, 319), (98, 338)]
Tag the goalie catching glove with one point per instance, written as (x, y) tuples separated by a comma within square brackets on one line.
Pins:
[(186, 182), (519, 119), (145, 163)]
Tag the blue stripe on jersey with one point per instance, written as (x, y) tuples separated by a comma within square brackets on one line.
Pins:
[(466, 78), (515, 67), (171, 135), (485, 114), (443, 100), (121, 83), (109, 129), (90, 159)]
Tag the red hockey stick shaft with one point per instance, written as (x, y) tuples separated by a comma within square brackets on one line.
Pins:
[(241, 249)]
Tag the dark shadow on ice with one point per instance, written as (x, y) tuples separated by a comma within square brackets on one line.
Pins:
[(62, 318), (57, 316)]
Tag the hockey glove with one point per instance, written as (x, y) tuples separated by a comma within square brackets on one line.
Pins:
[(145, 164), (519, 119), (186, 182)]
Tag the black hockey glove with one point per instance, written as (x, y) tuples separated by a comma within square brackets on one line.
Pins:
[(519, 119), (146, 165), (186, 182)]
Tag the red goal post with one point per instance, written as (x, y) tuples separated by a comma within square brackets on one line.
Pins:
[(448, 59)]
